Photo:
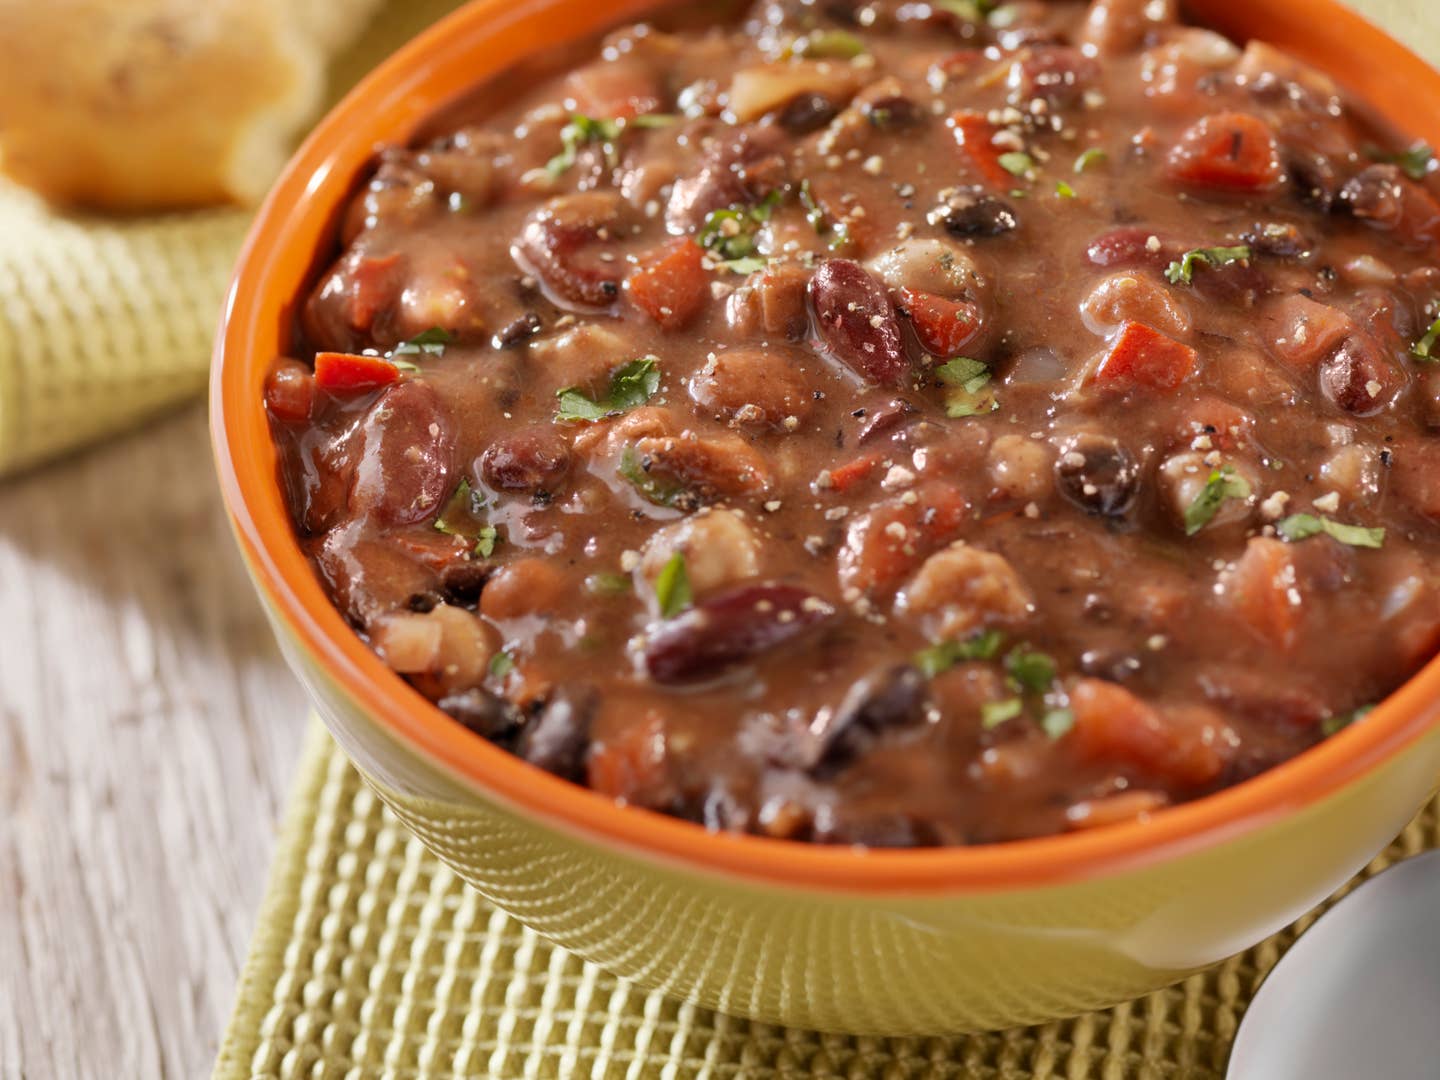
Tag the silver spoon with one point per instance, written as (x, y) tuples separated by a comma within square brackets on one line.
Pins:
[(1358, 996)]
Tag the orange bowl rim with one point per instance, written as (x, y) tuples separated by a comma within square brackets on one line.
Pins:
[(398, 95)]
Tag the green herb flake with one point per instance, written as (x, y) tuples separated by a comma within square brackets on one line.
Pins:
[(1092, 156), (1424, 349), (1064, 190), (938, 659), (1223, 483), (1057, 722), (608, 583), (406, 366), (1414, 162), (631, 385), (972, 11), (1340, 721), (501, 664), (485, 541), (829, 45), (995, 713), (653, 120), (579, 131), (970, 393), (633, 470), (672, 587), (729, 234), (1018, 163), (1030, 671), (1299, 527), (432, 343), (1182, 271), (461, 505), (836, 233)]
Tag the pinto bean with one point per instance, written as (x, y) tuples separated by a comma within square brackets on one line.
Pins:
[(895, 697), (1130, 297), (755, 387), (856, 323), (557, 245), (719, 546), (533, 459), (730, 628), (771, 304), (707, 467), (744, 165), (406, 447), (1097, 474), (524, 587), (1121, 26), (1182, 478), (1020, 468), (448, 646), (962, 589)]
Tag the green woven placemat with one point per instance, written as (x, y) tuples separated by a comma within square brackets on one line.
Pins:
[(372, 959)]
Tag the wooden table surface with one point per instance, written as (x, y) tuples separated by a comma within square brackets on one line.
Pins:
[(148, 732)]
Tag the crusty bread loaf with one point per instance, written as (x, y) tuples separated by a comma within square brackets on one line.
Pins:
[(145, 104)]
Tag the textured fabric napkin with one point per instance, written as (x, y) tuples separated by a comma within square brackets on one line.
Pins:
[(373, 960)]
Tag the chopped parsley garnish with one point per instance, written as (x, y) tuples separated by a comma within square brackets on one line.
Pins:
[(485, 541), (1414, 162), (1424, 348), (672, 587), (828, 45), (729, 234), (938, 659), (1092, 156), (995, 713), (975, 11), (633, 470), (631, 385), (1018, 163), (836, 233), (1182, 271), (1340, 721), (463, 504), (1299, 527), (1064, 190), (969, 382), (1223, 483), (432, 343), (406, 366), (1057, 722), (1030, 671), (609, 583), (501, 664), (587, 129)]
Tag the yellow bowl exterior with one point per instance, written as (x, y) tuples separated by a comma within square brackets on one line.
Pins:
[(882, 964)]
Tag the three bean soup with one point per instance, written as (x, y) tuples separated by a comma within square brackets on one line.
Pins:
[(904, 423)]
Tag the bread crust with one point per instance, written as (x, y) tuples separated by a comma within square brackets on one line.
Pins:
[(130, 105)]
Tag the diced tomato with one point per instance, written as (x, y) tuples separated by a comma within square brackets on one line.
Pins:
[(629, 762), (290, 393), (877, 554), (347, 372), (974, 136), (1142, 356), (1262, 589), (850, 475), (619, 89), (1112, 725), (1229, 151), (671, 284), (374, 284), (943, 326)]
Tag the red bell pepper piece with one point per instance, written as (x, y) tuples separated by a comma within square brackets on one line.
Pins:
[(1142, 356), (342, 373), (671, 284), (1230, 151)]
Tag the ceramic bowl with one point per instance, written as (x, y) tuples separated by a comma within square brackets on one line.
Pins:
[(888, 942)]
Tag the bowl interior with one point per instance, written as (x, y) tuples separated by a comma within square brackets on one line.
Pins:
[(296, 223)]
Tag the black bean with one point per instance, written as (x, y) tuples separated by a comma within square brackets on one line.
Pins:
[(518, 331), (558, 738), (1097, 474), (1375, 195), (891, 698), (974, 212), (482, 712), (892, 112), (806, 113)]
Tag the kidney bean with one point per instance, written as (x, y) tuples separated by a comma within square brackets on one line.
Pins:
[(1057, 73), (1383, 198), (290, 392), (807, 113), (1129, 246), (534, 459), (892, 698), (406, 445), (744, 165), (355, 302), (555, 245), (730, 628), (856, 324), (368, 577), (1358, 378), (558, 738), (1097, 474)]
